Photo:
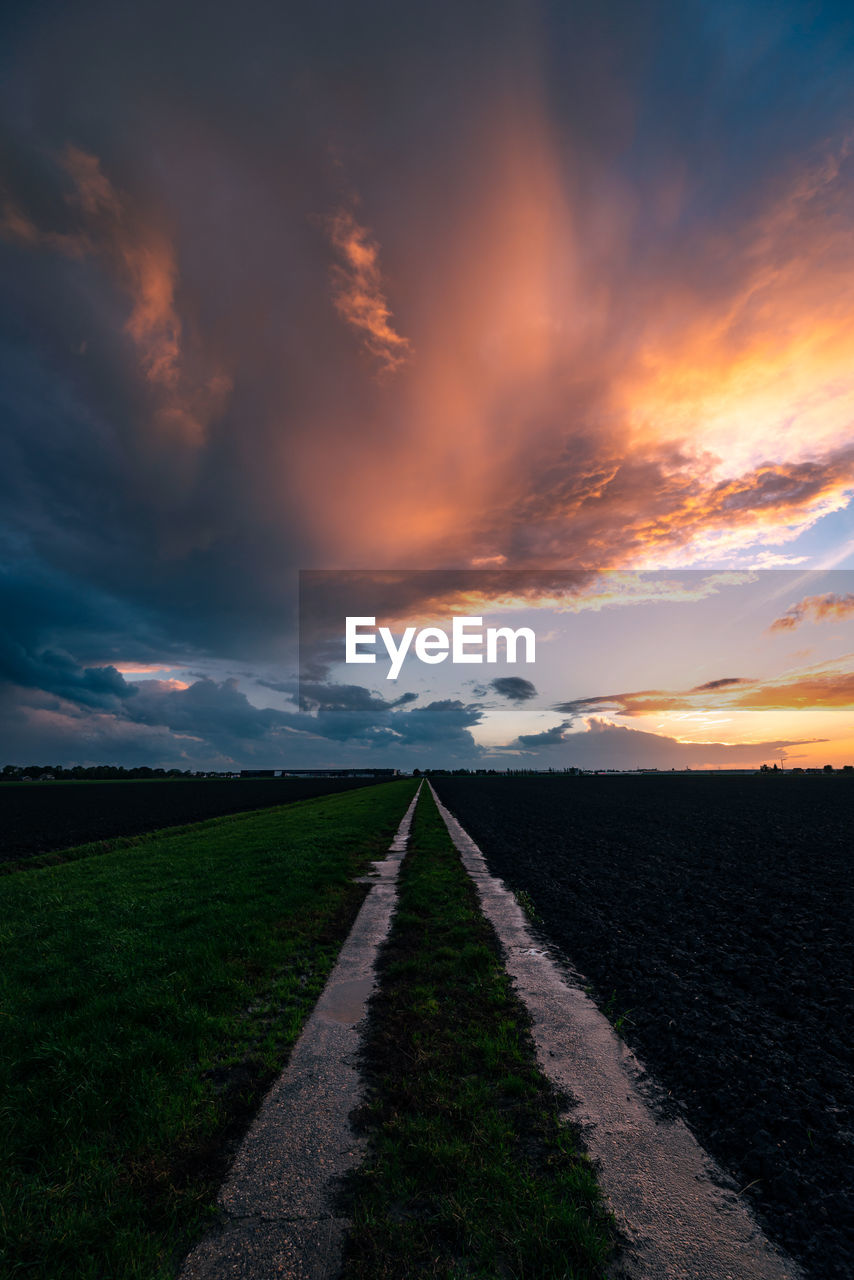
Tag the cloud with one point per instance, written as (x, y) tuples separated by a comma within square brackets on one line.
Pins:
[(635, 703), (427, 596), (210, 719), (725, 682), (547, 738), (827, 685), (445, 724), (816, 609), (62, 733), (513, 687), (136, 250), (58, 673), (633, 322), (141, 257), (607, 746), (67, 638), (688, 515), (312, 694), (832, 688), (358, 292), (616, 363)]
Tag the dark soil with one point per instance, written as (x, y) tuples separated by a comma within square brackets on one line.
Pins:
[(716, 913), (38, 817)]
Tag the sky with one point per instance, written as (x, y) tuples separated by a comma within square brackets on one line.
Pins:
[(554, 297)]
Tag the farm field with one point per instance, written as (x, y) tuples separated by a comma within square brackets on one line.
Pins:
[(37, 817), (148, 996), (711, 917)]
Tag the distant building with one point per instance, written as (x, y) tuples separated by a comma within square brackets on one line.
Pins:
[(320, 773)]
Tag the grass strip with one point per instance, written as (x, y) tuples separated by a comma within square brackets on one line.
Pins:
[(470, 1172), (147, 998), (43, 824), (111, 844), (95, 848)]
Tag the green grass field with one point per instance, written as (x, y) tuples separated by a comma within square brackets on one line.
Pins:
[(470, 1172), (147, 998)]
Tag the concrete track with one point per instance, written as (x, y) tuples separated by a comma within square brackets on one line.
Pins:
[(278, 1210), (680, 1218)]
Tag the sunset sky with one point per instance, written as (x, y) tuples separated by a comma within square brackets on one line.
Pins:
[(509, 289)]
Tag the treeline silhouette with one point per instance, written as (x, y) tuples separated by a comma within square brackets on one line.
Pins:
[(94, 772)]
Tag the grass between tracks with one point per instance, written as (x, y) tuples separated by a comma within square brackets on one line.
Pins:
[(148, 996), (469, 1172)]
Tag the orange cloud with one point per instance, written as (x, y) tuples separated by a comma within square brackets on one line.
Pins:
[(488, 295), (165, 686), (585, 404), (756, 365), (142, 668), (772, 504), (663, 508), (817, 608), (139, 255), (579, 399), (828, 689), (358, 292), (822, 687), (143, 258)]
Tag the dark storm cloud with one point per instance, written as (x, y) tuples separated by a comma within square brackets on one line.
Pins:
[(220, 712), (342, 697), (58, 634), (215, 710), (214, 722), (515, 688), (35, 727), (547, 738), (217, 153), (446, 722), (58, 673)]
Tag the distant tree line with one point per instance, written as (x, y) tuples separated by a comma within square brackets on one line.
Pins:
[(488, 773), (94, 772)]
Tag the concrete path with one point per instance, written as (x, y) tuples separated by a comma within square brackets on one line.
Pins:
[(669, 1198), (279, 1216)]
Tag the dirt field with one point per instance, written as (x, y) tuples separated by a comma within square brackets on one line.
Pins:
[(715, 913), (37, 817)]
